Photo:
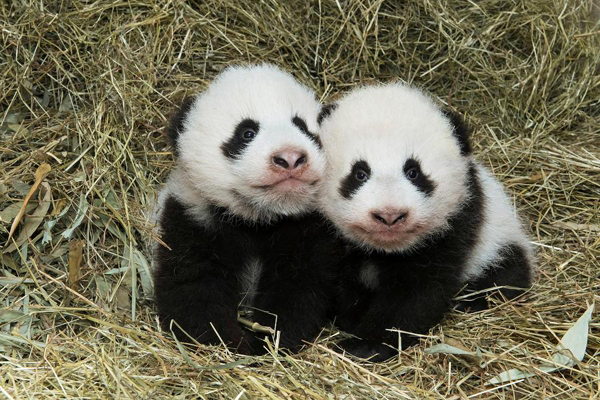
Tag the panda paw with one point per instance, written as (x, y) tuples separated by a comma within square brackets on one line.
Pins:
[(371, 350)]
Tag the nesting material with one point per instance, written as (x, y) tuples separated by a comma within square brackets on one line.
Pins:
[(86, 89)]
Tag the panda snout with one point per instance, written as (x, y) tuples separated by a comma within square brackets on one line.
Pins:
[(289, 159), (389, 217)]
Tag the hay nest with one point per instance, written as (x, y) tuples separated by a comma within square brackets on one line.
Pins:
[(86, 90)]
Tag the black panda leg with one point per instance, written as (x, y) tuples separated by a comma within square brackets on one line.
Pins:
[(413, 309), (296, 305), (512, 274), (203, 303)]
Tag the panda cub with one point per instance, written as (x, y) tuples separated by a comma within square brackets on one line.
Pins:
[(236, 214), (422, 217)]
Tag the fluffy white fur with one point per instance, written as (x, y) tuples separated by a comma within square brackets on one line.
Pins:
[(383, 125), (204, 176)]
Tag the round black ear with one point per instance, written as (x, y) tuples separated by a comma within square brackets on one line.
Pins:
[(177, 121), (326, 110), (461, 132)]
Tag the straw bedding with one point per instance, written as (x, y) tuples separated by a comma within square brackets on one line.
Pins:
[(86, 89)]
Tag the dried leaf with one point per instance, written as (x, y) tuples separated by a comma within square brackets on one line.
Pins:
[(13, 280), (40, 174), (75, 258), (104, 222), (9, 316), (451, 347), (49, 225), (33, 221), (21, 187), (81, 211), (66, 103), (10, 212), (143, 268), (574, 341), (122, 299), (102, 287)]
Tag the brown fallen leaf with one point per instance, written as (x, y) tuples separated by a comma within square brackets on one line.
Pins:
[(122, 299), (33, 220), (75, 258), (40, 174)]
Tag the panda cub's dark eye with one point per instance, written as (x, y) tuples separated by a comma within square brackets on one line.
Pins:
[(412, 173), (361, 176), (249, 134)]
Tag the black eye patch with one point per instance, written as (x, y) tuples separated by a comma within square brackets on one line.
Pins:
[(301, 124), (412, 171), (243, 134), (358, 176)]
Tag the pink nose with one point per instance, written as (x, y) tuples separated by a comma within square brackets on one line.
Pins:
[(389, 218), (289, 159)]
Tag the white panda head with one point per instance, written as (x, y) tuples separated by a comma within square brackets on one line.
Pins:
[(397, 167), (247, 144)]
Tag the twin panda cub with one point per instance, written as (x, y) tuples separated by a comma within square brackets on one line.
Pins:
[(406, 217)]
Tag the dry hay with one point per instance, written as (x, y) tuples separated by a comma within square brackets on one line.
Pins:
[(87, 87)]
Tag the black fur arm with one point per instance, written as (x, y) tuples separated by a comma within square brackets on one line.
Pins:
[(299, 282), (196, 284)]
